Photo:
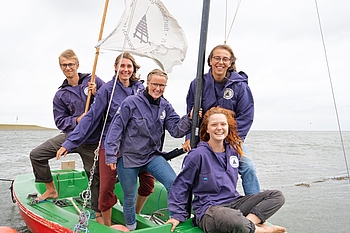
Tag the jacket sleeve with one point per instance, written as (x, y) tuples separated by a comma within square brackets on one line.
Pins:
[(88, 123), (244, 110), (99, 83), (63, 119), (181, 188), (115, 132), (176, 126), (190, 102)]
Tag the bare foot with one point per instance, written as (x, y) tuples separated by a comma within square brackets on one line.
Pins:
[(99, 218), (263, 228), (48, 195)]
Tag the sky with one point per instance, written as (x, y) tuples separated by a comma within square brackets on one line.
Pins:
[(277, 43)]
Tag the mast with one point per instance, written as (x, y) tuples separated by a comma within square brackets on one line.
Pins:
[(199, 76), (96, 56)]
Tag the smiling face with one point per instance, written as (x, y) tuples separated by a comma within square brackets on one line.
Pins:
[(156, 86), (217, 127), (220, 62), (126, 70), (156, 83), (69, 67)]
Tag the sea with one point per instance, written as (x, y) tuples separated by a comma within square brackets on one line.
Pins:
[(309, 167)]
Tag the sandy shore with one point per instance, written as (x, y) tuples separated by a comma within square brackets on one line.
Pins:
[(23, 127)]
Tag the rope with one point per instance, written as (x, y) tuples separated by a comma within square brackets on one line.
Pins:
[(6, 180), (233, 20), (330, 81), (84, 216)]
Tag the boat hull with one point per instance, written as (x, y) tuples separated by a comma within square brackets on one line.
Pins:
[(61, 216)]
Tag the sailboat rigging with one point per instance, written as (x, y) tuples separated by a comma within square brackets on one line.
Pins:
[(331, 86)]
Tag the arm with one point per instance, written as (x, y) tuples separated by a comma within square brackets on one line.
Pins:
[(177, 127), (89, 122), (115, 133), (244, 110), (62, 115), (180, 190)]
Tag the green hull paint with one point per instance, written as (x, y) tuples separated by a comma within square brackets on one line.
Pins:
[(71, 184)]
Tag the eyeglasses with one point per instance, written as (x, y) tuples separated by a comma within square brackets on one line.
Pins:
[(155, 85), (70, 65), (223, 59)]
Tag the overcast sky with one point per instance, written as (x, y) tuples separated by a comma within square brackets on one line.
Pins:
[(277, 43)]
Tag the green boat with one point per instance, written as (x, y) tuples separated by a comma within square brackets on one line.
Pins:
[(62, 214)]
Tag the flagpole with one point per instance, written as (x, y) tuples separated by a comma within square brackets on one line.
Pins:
[(199, 77), (96, 56)]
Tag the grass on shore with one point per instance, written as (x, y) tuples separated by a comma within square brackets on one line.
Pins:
[(23, 127)]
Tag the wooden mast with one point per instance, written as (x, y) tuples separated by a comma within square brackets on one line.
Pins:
[(200, 71), (96, 56)]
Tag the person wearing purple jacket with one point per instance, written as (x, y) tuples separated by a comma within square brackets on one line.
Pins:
[(224, 87), (126, 83), (136, 135), (211, 172), (68, 109)]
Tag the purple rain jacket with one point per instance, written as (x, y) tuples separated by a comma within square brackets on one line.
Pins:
[(96, 115), (211, 183), (69, 103), (136, 130), (235, 95)]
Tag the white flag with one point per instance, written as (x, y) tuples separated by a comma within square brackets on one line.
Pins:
[(152, 32)]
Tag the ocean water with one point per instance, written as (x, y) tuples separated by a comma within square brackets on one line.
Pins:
[(308, 167)]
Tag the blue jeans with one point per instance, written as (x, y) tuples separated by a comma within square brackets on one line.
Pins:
[(247, 171), (159, 168)]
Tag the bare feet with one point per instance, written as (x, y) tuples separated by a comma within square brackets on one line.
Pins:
[(99, 218), (263, 228), (48, 194)]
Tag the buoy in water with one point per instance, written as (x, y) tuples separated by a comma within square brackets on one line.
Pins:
[(4, 229), (120, 228)]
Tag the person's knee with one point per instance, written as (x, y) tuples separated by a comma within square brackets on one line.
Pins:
[(146, 185), (246, 166), (33, 155), (279, 195)]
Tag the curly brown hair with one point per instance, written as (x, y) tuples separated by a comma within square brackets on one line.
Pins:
[(232, 136)]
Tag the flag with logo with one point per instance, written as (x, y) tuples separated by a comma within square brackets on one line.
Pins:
[(147, 29)]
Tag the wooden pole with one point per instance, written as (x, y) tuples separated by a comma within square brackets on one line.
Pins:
[(96, 56), (199, 77)]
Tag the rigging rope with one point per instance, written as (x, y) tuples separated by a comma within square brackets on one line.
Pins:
[(84, 216), (233, 20), (330, 80)]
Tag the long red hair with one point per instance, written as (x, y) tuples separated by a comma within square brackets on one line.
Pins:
[(232, 136)]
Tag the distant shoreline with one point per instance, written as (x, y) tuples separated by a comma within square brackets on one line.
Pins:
[(23, 127)]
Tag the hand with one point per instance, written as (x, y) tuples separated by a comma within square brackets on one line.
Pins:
[(113, 166), (92, 87), (174, 222), (79, 117), (186, 145), (62, 151), (200, 113)]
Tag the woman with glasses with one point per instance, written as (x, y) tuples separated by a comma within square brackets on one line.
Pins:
[(224, 87), (126, 83), (135, 134)]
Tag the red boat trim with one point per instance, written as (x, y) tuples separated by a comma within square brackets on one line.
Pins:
[(37, 221)]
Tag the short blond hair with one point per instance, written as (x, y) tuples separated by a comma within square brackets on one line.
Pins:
[(69, 54), (157, 72)]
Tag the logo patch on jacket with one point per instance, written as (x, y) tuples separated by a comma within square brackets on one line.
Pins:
[(86, 90), (162, 116), (234, 162), (228, 94)]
